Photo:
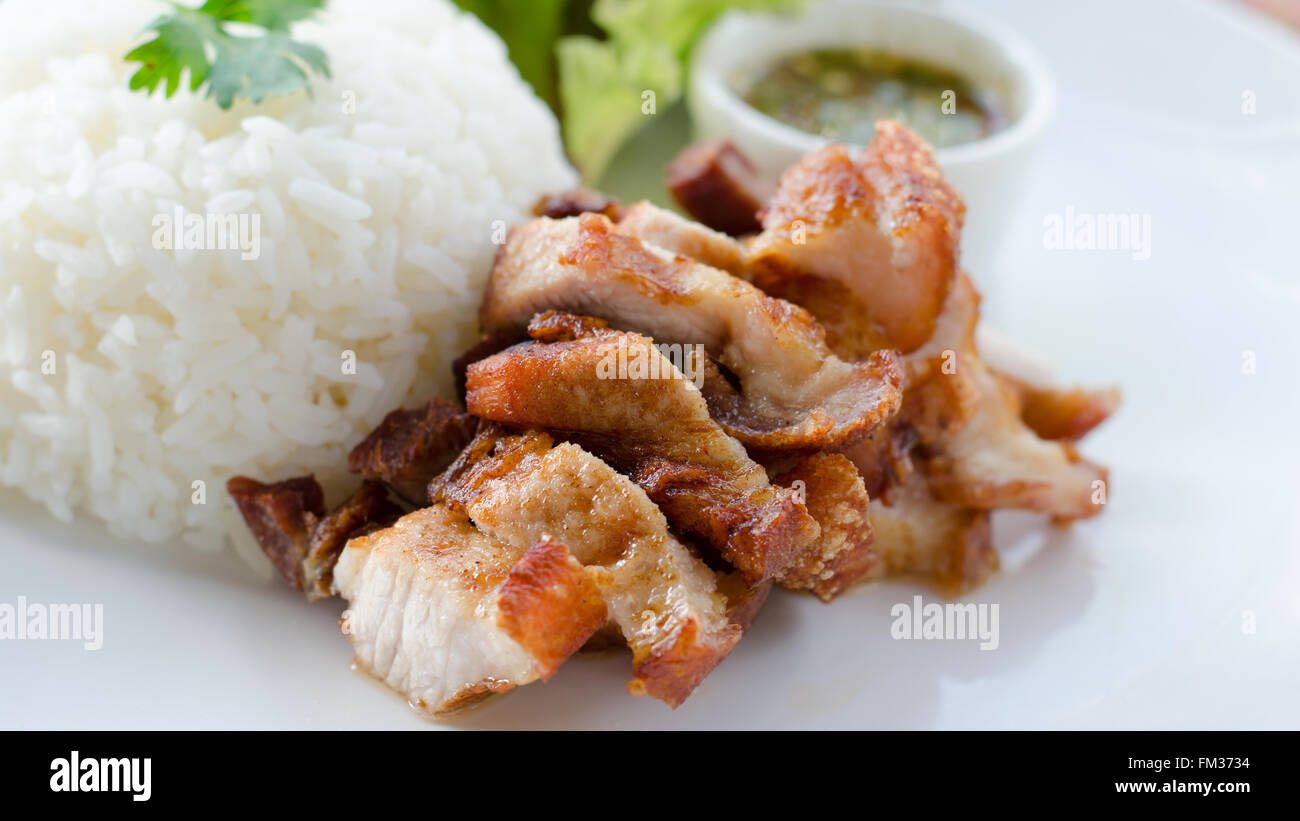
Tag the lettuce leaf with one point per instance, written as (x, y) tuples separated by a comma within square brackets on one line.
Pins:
[(605, 86), (607, 93), (607, 66)]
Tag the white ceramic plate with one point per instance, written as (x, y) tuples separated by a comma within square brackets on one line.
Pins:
[(1178, 607)]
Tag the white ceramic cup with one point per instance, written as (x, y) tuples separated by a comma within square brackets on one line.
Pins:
[(989, 173)]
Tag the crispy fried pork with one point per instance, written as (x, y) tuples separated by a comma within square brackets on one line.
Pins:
[(913, 531), (717, 185), (794, 393), (288, 520), (977, 451), (447, 615), (837, 498), (282, 516), (828, 419), (884, 223), (665, 601), (366, 510), (656, 430), (410, 447), (882, 226), (575, 202), (487, 345), (919, 534), (663, 229), (1062, 413)]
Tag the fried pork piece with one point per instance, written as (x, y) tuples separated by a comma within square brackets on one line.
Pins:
[(447, 615), (664, 229), (283, 516), (914, 532), (917, 533), (1062, 413), (665, 601), (654, 426), (972, 441), (794, 393), (718, 185), (289, 522), (742, 604), (884, 223), (976, 450), (837, 498), (485, 347), (850, 332), (884, 458), (575, 202), (410, 447), (367, 509)]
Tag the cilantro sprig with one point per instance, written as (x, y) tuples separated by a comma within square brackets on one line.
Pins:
[(233, 65)]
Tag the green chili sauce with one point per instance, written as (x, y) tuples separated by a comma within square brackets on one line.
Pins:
[(839, 94)]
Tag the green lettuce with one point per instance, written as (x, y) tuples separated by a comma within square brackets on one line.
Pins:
[(606, 66)]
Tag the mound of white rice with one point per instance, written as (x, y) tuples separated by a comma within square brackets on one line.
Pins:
[(131, 373)]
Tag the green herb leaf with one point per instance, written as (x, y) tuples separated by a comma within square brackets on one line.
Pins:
[(261, 67), (272, 15), (180, 45), (232, 65)]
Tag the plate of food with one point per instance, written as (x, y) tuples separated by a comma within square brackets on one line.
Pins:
[(767, 364)]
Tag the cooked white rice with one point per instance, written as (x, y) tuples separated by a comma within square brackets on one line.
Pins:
[(377, 200)]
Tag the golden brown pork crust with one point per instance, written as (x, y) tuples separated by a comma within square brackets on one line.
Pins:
[(558, 326), (1063, 413), (742, 604), (792, 387), (850, 331), (655, 430), (878, 399), (884, 223), (822, 190), (899, 165), (761, 531), (671, 669), (487, 345), (368, 508), (837, 499), (550, 605), (289, 522), (743, 601), (517, 486), (884, 459)]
